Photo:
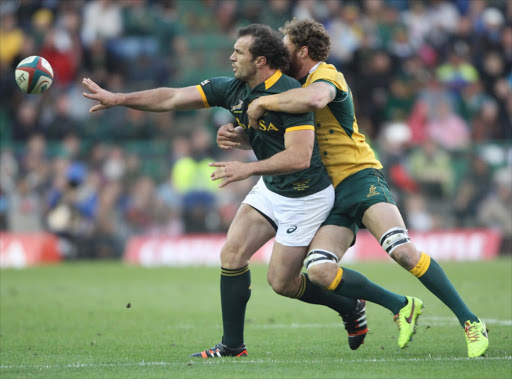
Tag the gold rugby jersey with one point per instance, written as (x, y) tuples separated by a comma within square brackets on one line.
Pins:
[(343, 149)]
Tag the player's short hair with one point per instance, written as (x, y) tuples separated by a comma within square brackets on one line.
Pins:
[(267, 43), (311, 34)]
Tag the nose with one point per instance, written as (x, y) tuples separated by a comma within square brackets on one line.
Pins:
[(232, 57)]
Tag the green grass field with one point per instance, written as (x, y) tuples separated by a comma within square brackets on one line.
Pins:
[(72, 321)]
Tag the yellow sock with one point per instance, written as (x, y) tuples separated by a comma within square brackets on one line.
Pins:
[(336, 280), (422, 266)]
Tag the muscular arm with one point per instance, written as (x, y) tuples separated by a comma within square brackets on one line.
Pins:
[(299, 100), (296, 156), (154, 100)]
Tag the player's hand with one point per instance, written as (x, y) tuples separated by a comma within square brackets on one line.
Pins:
[(227, 137), (105, 98), (230, 172), (255, 111)]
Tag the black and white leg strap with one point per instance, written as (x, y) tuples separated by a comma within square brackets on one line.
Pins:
[(315, 257), (393, 238)]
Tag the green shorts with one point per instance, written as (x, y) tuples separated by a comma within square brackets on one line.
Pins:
[(354, 195)]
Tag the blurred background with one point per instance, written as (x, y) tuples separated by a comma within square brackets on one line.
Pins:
[(432, 82)]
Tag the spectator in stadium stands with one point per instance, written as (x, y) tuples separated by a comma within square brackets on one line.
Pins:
[(448, 123), (417, 214), (110, 232), (277, 13), (394, 139), (26, 122), (473, 97), (430, 167), (9, 172), (35, 164), (25, 210), (471, 190), (506, 47), (444, 17), (347, 33), (11, 37), (486, 125), (167, 221), (57, 48), (191, 178), (58, 122), (494, 210), (492, 69), (70, 208), (114, 165), (374, 85), (140, 205), (102, 20), (418, 23), (399, 102), (457, 72)]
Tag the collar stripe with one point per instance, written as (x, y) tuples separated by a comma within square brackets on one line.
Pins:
[(273, 79)]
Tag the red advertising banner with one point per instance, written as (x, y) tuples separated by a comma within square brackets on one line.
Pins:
[(19, 250), (450, 245)]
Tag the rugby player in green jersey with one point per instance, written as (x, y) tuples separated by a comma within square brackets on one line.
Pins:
[(363, 198), (291, 200)]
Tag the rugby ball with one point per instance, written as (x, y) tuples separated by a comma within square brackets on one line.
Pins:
[(34, 75)]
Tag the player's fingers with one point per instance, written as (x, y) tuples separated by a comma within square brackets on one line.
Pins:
[(217, 164), (229, 143), (226, 182), (90, 96), (98, 107), (91, 82), (88, 86)]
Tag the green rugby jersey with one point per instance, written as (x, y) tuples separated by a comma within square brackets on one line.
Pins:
[(236, 95)]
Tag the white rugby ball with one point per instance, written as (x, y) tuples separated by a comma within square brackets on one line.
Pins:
[(34, 75)]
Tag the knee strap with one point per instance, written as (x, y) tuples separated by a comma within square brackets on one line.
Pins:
[(315, 257), (393, 238)]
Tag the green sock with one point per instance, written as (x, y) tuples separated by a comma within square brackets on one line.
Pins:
[(435, 279), (314, 294), (357, 286), (235, 291)]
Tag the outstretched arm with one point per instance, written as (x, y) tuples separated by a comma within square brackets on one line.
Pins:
[(296, 156), (153, 100), (299, 100)]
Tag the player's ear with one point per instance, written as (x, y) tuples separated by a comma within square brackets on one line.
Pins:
[(261, 61), (304, 51)]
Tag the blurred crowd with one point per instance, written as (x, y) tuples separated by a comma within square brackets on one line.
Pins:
[(432, 81)]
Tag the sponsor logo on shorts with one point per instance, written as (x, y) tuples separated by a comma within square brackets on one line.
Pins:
[(292, 229), (373, 191)]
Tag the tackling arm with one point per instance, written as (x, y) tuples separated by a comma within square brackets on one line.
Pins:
[(153, 100), (299, 100)]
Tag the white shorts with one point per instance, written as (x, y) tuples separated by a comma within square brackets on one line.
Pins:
[(297, 219)]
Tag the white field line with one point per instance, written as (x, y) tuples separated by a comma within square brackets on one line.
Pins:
[(424, 320), (247, 361)]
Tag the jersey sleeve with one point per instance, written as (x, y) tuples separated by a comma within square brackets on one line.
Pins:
[(297, 121), (215, 91), (330, 76)]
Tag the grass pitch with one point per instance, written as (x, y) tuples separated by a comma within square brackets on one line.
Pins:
[(109, 320)]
